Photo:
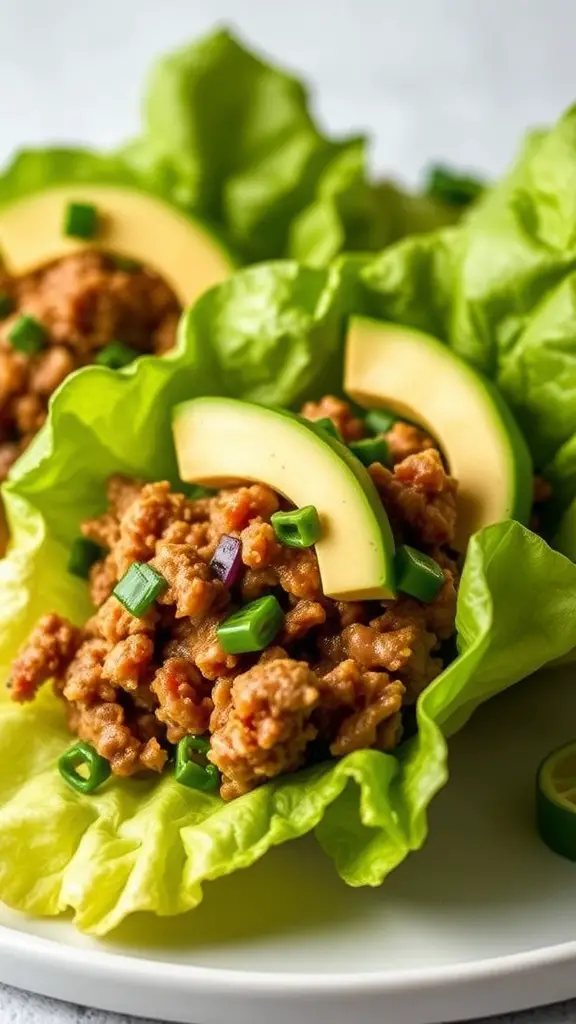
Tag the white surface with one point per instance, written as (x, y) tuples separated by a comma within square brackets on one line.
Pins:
[(456, 79), (431, 78), (481, 921)]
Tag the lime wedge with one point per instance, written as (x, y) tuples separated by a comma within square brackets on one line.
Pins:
[(556, 800)]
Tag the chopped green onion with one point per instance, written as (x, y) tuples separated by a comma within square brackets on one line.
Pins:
[(418, 574), (379, 421), (189, 772), (83, 754), (252, 628), (454, 189), (6, 305), (325, 423), (369, 450), (130, 266), (83, 554), (81, 221), (115, 355), (27, 335), (195, 491), (139, 588), (299, 528)]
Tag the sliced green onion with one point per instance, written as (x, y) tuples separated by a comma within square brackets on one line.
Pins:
[(116, 355), (81, 221), (451, 188), (299, 528), (189, 772), (195, 491), (27, 335), (325, 423), (251, 628), (417, 574), (125, 263), (369, 450), (139, 588), (556, 801), (6, 305), (83, 754), (83, 554), (379, 421)]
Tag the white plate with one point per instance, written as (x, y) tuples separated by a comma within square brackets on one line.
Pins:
[(483, 920)]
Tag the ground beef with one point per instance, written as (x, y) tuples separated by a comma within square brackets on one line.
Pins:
[(420, 497), (83, 301), (404, 440), (337, 678), (349, 426)]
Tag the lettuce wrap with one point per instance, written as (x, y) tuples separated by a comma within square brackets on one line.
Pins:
[(274, 334)]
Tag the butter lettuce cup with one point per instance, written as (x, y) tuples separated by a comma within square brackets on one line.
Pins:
[(248, 597)]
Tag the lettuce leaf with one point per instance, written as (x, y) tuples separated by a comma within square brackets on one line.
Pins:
[(273, 333), (232, 138)]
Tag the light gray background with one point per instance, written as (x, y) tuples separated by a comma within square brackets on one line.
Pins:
[(453, 79)]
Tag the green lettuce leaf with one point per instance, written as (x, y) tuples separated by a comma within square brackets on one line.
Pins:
[(273, 333), (232, 138)]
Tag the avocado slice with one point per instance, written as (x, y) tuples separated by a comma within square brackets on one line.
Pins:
[(220, 441), (419, 379), (130, 224)]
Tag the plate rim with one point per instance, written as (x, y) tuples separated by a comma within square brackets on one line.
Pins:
[(98, 961)]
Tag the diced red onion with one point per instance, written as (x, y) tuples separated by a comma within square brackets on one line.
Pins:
[(227, 559)]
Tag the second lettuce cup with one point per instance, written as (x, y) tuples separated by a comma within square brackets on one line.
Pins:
[(253, 588)]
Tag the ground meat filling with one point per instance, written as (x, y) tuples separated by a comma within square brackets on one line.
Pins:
[(83, 302), (339, 676)]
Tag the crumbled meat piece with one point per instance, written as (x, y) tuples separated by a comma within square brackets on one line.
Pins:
[(102, 580), (29, 413), (257, 582), (404, 439), (192, 587), (298, 573), (185, 703), (267, 728), (375, 699), (103, 725), (299, 620), (419, 495), (128, 663), (85, 680), (51, 368), (200, 645), (233, 510), (420, 668), (340, 412), (373, 649), (114, 623), (350, 612), (146, 519), (153, 756), (46, 654), (259, 545)]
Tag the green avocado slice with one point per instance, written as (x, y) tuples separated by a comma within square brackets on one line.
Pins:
[(220, 441), (421, 380)]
